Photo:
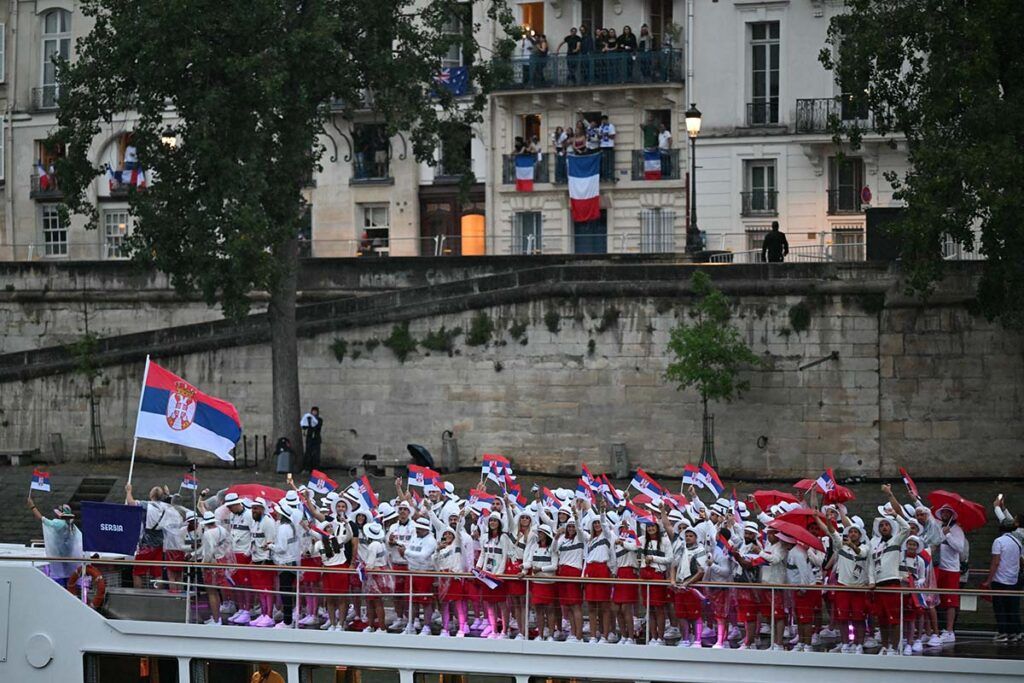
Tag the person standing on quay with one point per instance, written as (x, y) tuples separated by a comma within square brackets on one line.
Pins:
[(775, 247), (312, 424)]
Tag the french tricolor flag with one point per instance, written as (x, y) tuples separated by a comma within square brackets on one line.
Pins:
[(40, 481), (584, 186), (174, 411), (524, 172), (710, 479), (652, 165), (827, 481), (321, 483)]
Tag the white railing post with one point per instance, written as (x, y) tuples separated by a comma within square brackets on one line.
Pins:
[(647, 614), (899, 644), (524, 628), (296, 611), (409, 613), (771, 637)]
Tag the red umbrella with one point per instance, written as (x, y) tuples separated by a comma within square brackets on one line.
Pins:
[(797, 533), (839, 494), (254, 491), (641, 499), (765, 499), (803, 517), (804, 484), (969, 515)]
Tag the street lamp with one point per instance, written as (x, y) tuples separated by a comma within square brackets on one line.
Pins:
[(692, 115)]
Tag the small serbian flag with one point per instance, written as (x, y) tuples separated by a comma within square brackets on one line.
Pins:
[(515, 491), (589, 479), (40, 481), (652, 164), (826, 482), (189, 481), (642, 516), (480, 501), (524, 172), (422, 476), (495, 467), (321, 483), (911, 486), (550, 499), (723, 544), (690, 476), (645, 484), (486, 579), (367, 494), (174, 411), (608, 491), (710, 479), (756, 560), (584, 186), (361, 573), (628, 533), (584, 491)]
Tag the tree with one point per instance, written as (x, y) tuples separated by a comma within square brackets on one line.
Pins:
[(231, 98), (709, 354), (948, 77)]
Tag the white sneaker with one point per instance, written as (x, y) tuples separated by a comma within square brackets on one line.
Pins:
[(558, 635), (787, 632), (828, 633), (908, 650), (213, 622), (368, 629), (734, 633), (571, 639), (672, 632), (307, 620), (765, 629), (934, 640), (613, 638), (777, 648), (697, 643), (718, 646), (425, 631), (838, 648), (460, 634), (918, 646), (858, 649), (947, 637), (893, 651), (520, 636), (846, 648), (327, 626), (284, 625), (870, 642), (815, 640), (445, 634), (743, 646)]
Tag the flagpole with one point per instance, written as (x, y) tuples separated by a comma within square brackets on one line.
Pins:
[(135, 440)]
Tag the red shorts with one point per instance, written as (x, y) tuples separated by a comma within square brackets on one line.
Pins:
[(310, 578), (262, 580), (721, 601), (948, 579), (625, 593), (748, 604), (471, 590), (214, 577), (543, 594), (514, 587), (450, 589), (401, 581), (569, 592), (598, 591), (888, 604), (658, 592), (423, 589), (805, 604), (153, 555), (336, 582), (242, 577), (849, 605), (688, 605)]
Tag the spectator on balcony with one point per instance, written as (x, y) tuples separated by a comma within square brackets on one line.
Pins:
[(581, 139), (607, 145), (587, 49), (628, 46), (775, 247), (381, 153), (593, 133), (650, 132), (645, 48), (560, 141), (665, 149), (572, 43), (539, 58)]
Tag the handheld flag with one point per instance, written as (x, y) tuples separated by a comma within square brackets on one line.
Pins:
[(524, 172), (589, 479), (827, 481), (608, 491), (40, 481), (189, 481), (584, 186), (584, 491), (722, 543), (367, 494), (174, 411), (321, 483), (423, 476), (643, 483), (642, 516), (550, 499), (486, 579), (495, 467), (45, 179), (711, 480), (515, 491), (911, 486), (690, 476), (652, 164), (480, 501)]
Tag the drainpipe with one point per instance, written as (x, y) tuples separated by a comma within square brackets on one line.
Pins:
[(8, 133), (690, 96)]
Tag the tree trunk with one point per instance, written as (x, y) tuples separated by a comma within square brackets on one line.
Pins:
[(284, 352)]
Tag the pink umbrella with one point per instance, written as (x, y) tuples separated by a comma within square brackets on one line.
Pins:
[(797, 533)]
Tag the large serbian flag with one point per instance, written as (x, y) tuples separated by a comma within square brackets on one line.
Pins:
[(174, 411), (652, 164), (524, 172), (584, 183)]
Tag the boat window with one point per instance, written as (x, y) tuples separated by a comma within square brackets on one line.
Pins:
[(229, 671), (100, 668), (434, 677), (346, 674)]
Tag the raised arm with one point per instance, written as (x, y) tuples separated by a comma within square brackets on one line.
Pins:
[(35, 510)]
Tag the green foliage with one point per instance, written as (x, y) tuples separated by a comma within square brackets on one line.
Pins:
[(480, 329), (609, 319), (84, 351), (708, 351), (800, 317), (552, 319), (249, 90), (947, 78), (371, 344), (517, 329), (401, 342), (339, 347), (591, 347), (873, 304), (441, 340), (356, 353)]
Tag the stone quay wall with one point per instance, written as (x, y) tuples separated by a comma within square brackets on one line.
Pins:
[(567, 373)]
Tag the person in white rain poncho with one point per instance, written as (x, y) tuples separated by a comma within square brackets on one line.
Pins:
[(62, 538)]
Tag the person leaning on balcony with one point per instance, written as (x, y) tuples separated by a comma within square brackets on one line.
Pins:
[(572, 44), (775, 247), (665, 149), (606, 133)]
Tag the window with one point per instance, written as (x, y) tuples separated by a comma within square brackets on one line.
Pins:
[(56, 42), (455, 154), (759, 195), (764, 74), (115, 230), (755, 239), (422, 677), (659, 13), (3, 162), (657, 231), (346, 674), (848, 243), (376, 229), (455, 29), (845, 180), (55, 233), (533, 16), (118, 668), (373, 152), (592, 14), (526, 233), (223, 671)]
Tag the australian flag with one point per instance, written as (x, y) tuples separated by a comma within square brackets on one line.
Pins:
[(454, 79)]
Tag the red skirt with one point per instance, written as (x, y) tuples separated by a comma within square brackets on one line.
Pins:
[(310, 578), (471, 590), (450, 589), (625, 593), (543, 594), (491, 595), (514, 587), (598, 591), (423, 590), (658, 592), (569, 592), (688, 605), (262, 580), (336, 582)]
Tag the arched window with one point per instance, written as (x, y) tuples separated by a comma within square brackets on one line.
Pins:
[(56, 42)]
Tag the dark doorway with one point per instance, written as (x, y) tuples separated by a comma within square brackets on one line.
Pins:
[(591, 237), (442, 211)]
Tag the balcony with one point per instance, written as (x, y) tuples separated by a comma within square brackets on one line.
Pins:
[(607, 167), (763, 114), (371, 169), (759, 203), (540, 169), (45, 190), (585, 71), (844, 200), (45, 98), (668, 169), (816, 115)]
